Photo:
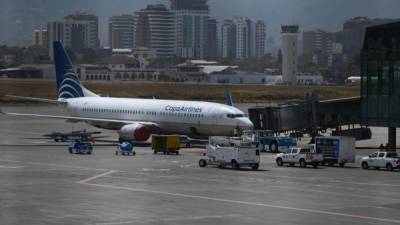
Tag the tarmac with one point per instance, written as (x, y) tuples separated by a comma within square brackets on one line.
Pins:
[(41, 183)]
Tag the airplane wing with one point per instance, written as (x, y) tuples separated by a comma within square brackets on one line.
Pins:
[(34, 99), (84, 119)]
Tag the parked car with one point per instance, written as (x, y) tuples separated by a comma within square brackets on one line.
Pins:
[(302, 156), (377, 160)]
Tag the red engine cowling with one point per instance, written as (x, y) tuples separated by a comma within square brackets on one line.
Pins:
[(134, 132)]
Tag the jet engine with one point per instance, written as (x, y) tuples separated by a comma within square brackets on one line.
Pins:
[(134, 132)]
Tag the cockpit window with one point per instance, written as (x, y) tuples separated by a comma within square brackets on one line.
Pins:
[(235, 115)]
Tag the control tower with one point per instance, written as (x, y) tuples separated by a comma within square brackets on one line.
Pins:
[(289, 53)]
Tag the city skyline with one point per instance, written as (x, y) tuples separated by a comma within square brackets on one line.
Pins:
[(20, 15)]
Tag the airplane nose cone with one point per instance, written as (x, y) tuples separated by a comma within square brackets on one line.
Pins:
[(245, 124)]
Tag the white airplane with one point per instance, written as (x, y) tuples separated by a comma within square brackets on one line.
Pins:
[(136, 119)]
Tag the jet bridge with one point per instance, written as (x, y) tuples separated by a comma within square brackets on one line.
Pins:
[(312, 117)]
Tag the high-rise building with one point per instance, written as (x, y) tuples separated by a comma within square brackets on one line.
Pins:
[(261, 35), (81, 30), (77, 31), (317, 47), (238, 38), (244, 37), (121, 31), (191, 27), (228, 39), (289, 53), (155, 29), (189, 5), (55, 32), (212, 39), (357, 22), (40, 38), (352, 35)]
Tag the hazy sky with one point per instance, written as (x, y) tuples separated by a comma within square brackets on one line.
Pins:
[(19, 17)]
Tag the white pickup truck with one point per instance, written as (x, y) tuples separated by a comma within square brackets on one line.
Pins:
[(302, 156), (377, 160)]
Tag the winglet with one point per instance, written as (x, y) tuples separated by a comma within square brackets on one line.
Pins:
[(229, 100)]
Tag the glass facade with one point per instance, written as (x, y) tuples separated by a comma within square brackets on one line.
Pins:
[(380, 86)]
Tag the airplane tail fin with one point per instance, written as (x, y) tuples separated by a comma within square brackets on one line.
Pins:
[(229, 100), (68, 84)]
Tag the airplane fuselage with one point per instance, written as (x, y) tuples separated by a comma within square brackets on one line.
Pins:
[(171, 116)]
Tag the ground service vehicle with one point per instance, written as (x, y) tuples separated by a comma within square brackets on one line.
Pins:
[(232, 154), (276, 144), (125, 148), (166, 144), (85, 148), (266, 140), (72, 136), (339, 150), (377, 160), (302, 156), (254, 136), (185, 141)]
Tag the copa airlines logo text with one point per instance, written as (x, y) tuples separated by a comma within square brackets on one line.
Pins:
[(183, 109)]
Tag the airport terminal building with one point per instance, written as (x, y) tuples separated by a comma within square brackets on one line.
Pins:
[(380, 81)]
